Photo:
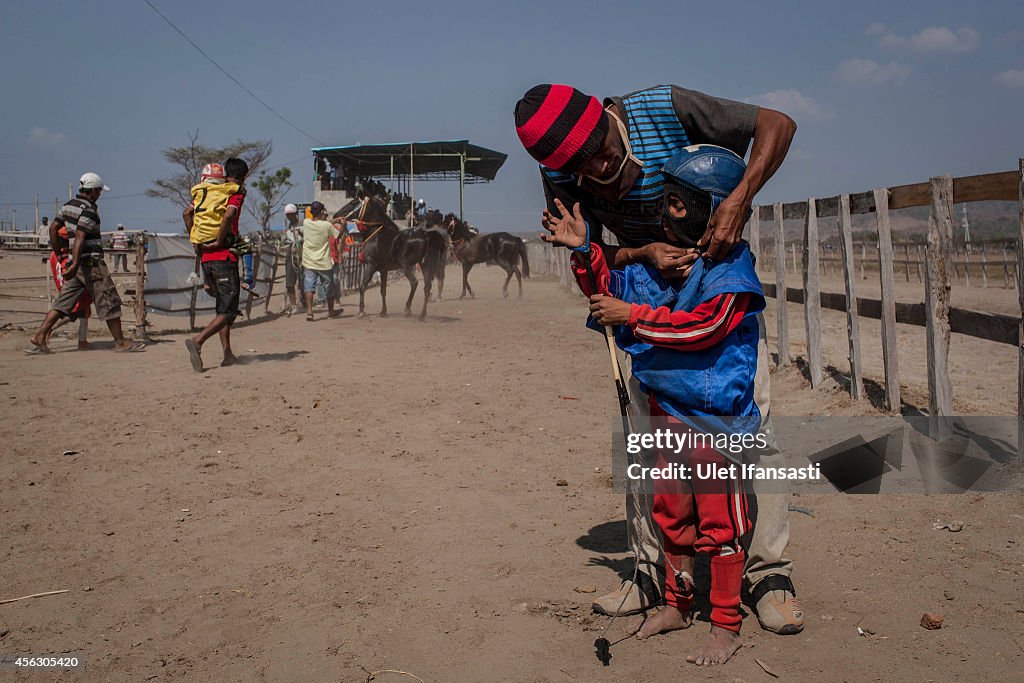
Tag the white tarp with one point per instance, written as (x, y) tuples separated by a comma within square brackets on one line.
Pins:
[(170, 261)]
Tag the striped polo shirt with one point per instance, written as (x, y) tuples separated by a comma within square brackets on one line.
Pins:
[(81, 218), (659, 121)]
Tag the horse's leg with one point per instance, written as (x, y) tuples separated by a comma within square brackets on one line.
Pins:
[(519, 278), (466, 267), (383, 293), (428, 276), (508, 271), (363, 284), (410, 275)]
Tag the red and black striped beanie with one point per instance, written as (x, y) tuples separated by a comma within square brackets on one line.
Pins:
[(560, 126)]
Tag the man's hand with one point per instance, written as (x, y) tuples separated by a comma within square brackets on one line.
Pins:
[(673, 263), (567, 229), (725, 229), (70, 269), (608, 310)]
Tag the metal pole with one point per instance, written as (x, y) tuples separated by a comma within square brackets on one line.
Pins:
[(37, 211), (412, 196), (462, 183)]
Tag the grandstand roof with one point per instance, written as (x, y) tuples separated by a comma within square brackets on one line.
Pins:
[(436, 160)]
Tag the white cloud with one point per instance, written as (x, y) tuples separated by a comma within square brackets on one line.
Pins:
[(937, 39), (46, 138), (868, 71), (1011, 78), (791, 102)]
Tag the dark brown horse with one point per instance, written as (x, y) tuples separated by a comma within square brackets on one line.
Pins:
[(386, 248), (501, 248)]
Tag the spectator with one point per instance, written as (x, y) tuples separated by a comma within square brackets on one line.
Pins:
[(316, 257), (120, 243), (87, 271)]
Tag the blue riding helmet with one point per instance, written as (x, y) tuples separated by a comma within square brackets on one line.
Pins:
[(701, 176)]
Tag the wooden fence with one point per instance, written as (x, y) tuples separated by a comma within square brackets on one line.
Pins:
[(984, 264), (939, 264), (134, 291)]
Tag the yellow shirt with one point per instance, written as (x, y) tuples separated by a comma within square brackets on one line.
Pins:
[(316, 244), (210, 201)]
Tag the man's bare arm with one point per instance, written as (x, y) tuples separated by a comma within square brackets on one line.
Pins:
[(773, 133)]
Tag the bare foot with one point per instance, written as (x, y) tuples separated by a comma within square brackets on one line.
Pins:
[(667, 619), (85, 346), (229, 359), (718, 648)]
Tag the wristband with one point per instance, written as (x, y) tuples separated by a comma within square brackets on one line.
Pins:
[(585, 247)]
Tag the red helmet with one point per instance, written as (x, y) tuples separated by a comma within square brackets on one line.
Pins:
[(213, 173)]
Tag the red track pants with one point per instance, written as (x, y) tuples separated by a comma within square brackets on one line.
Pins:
[(702, 517)]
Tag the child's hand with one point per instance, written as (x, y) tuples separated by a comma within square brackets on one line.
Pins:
[(608, 310), (673, 263), (567, 229)]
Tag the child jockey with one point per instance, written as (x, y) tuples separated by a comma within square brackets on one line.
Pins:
[(693, 351)]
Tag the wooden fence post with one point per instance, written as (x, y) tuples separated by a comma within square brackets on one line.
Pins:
[(140, 287), (755, 235), (780, 285), (940, 237), (863, 258), (887, 273), (852, 324), (906, 262), (273, 276), (812, 294), (984, 267), (967, 265), (1006, 269), (1020, 330)]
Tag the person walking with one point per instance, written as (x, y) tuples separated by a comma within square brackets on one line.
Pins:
[(86, 270)]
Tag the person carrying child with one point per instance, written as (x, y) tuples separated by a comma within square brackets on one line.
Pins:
[(212, 223)]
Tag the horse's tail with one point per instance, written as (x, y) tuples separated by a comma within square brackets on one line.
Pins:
[(522, 255), (437, 252)]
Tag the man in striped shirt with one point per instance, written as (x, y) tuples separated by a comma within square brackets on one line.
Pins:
[(87, 271), (602, 162)]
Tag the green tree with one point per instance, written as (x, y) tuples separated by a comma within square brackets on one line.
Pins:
[(271, 188), (191, 158)]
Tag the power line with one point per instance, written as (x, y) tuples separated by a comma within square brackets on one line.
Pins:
[(233, 79), (43, 200)]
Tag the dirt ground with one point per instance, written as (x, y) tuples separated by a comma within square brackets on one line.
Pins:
[(377, 494)]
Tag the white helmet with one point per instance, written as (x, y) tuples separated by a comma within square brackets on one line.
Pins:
[(290, 208), (91, 181)]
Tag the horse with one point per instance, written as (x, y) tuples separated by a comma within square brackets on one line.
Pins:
[(433, 220), (501, 248), (389, 248)]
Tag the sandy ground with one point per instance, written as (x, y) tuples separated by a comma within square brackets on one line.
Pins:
[(381, 494)]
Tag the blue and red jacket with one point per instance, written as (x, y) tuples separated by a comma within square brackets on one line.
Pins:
[(693, 345)]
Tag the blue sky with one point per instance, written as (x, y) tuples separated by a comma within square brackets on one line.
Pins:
[(884, 93)]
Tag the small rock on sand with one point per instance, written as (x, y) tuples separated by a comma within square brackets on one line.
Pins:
[(931, 621)]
